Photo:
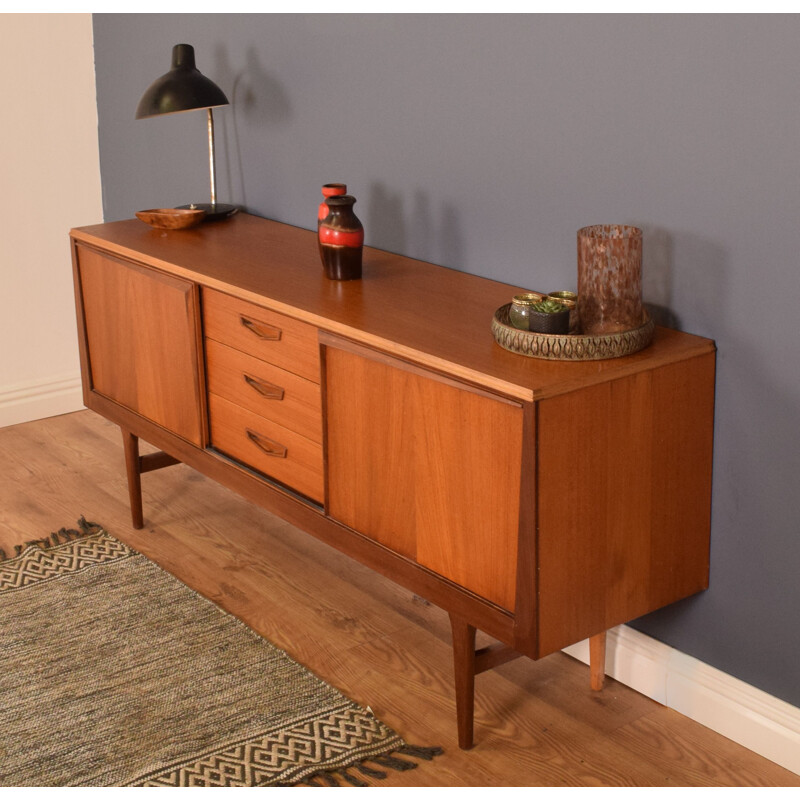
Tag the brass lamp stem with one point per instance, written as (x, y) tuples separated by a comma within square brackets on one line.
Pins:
[(211, 157)]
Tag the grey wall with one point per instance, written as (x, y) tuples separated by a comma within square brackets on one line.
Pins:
[(483, 143)]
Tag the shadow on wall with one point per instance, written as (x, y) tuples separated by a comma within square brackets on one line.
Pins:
[(701, 260), (704, 271), (740, 625), (737, 625), (384, 220), (433, 239), (657, 268), (451, 238), (255, 97)]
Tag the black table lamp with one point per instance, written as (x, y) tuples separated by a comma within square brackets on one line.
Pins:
[(185, 88)]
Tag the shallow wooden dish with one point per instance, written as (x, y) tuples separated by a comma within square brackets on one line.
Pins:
[(171, 218), (569, 347)]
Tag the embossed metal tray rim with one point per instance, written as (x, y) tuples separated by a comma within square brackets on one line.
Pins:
[(569, 347)]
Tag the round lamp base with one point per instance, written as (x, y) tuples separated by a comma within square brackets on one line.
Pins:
[(214, 211)]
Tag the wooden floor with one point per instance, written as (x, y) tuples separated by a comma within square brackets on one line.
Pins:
[(537, 723)]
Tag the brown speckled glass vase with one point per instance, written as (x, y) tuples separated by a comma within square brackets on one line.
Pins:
[(609, 278)]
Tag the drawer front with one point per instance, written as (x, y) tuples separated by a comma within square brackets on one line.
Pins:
[(264, 334), (267, 447), (265, 389)]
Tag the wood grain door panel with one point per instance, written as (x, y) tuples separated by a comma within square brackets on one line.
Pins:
[(428, 467), (370, 443), (142, 333), (468, 458)]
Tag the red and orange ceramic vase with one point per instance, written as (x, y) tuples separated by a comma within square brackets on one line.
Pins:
[(341, 239), (328, 190)]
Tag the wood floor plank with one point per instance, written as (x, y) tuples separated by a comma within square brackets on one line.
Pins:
[(691, 756), (558, 749), (537, 723)]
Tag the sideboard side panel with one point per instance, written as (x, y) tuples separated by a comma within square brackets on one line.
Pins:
[(624, 499)]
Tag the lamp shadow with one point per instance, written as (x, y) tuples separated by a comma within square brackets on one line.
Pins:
[(257, 101)]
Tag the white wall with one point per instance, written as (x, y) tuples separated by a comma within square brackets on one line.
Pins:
[(50, 178)]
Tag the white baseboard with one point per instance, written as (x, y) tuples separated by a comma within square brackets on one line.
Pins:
[(38, 399), (762, 723)]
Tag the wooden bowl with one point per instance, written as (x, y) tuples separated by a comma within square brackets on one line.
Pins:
[(171, 218)]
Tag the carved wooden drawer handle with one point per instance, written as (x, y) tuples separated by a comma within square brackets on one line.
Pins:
[(267, 445), (268, 390), (261, 329)]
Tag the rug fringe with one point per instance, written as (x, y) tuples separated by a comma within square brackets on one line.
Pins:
[(353, 780), (371, 773), (58, 537), (400, 764), (425, 753), (344, 777)]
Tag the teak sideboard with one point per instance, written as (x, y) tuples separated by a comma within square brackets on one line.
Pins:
[(541, 502)]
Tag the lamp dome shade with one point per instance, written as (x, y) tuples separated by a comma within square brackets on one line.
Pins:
[(183, 88)]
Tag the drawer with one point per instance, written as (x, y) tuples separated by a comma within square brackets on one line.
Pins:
[(259, 332), (265, 389), (267, 447)]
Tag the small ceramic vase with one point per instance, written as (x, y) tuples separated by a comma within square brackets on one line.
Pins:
[(328, 190), (341, 239)]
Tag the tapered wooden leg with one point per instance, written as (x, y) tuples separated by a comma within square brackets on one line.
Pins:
[(597, 660), (464, 668), (131, 445)]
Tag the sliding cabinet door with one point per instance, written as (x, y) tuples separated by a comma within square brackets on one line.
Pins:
[(141, 328), (428, 466)]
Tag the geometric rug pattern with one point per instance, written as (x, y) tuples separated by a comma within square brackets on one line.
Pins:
[(114, 673)]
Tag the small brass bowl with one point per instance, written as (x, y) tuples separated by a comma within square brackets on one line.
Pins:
[(570, 304), (529, 297), (561, 296), (171, 218)]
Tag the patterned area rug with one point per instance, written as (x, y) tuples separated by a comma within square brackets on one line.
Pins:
[(113, 673)]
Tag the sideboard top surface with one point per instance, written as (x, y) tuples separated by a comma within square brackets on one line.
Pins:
[(435, 315)]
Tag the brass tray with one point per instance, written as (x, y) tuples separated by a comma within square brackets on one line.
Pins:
[(569, 347)]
